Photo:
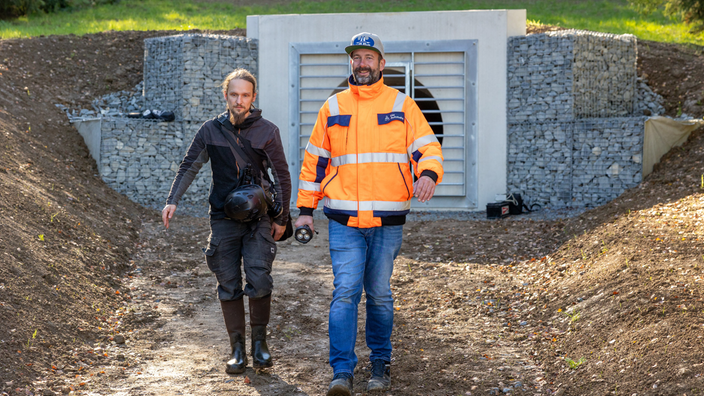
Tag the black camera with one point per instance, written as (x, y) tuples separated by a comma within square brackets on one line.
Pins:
[(304, 234)]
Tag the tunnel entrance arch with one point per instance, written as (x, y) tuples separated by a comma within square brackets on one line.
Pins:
[(439, 75)]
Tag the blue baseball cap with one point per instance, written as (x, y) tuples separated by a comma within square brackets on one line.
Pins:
[(366, 40)]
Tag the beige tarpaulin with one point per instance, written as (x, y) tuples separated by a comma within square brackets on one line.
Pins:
[(662, 134)]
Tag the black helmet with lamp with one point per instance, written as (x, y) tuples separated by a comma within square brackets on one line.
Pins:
[(246, 203)]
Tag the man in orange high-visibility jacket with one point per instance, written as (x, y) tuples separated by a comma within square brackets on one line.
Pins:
[(358, 160)]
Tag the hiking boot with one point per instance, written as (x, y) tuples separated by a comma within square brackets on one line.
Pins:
[(381, 376), (341, 385), (238, 362), (261, 358)]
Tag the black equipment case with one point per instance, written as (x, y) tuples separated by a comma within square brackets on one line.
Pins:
[(497, 210)]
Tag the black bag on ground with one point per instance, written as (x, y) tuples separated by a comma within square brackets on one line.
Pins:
[(516, 204)]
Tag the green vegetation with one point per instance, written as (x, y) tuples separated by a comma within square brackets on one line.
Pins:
[(575, 365), (574, 316), (690, 11), (15, 8), (616, 16)]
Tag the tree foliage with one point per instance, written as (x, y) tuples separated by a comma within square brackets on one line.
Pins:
[(690, 11), (16, 8)]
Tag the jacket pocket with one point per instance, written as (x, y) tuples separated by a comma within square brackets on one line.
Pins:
[(325, 184), (408, 190)]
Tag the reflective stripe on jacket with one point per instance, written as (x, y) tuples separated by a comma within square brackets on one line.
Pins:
[(359, 154)]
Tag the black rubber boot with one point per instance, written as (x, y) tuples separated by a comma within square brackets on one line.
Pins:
[(261, 358), (259, 309), (238, 362), (233, 312)]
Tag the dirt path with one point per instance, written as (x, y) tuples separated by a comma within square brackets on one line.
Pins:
[(179, 345)]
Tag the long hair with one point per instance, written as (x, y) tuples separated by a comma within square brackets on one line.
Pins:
[(239, 74)]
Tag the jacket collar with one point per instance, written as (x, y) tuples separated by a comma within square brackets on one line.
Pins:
[(254, 115), (366, 91)]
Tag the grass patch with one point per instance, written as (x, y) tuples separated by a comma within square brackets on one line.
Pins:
[(605, 16)]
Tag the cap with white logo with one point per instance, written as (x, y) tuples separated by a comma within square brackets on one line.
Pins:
[(367, 41)]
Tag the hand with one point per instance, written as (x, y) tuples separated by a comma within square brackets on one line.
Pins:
[(424, 188), (303, 220), (167, 213), (277, 231)]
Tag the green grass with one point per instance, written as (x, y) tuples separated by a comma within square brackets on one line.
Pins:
[(605, 16)]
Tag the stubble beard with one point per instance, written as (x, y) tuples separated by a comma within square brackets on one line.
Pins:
[(370, 78)]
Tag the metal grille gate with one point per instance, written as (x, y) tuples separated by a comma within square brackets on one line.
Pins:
[(439, 75)]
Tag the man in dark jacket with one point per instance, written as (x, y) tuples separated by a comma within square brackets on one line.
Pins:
[(232, 242)]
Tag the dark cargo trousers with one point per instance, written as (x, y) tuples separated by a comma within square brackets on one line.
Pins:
[(230, 243)]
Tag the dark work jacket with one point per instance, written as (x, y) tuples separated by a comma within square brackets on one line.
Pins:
[(210, 145)]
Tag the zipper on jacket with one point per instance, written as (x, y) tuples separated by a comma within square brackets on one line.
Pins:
[(337, 170), (404, 181)]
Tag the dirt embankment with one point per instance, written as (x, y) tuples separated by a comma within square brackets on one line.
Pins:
[(65, 236), (96, 297)]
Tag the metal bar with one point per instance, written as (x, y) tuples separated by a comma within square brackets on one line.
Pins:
[(439, 63), (320, 88), (436, 99), (328, 76), (323, 64), (440, 75), (411, 74), (446, 123), (441, 111), (294, 56), (441, 87)]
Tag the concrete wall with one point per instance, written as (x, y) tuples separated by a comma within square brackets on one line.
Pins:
[(491, 28)]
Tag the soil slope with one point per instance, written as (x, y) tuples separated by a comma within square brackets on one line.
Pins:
[(96, 298)]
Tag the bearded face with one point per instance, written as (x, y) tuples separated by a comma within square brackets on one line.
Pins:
[(239, 97), (366, 66), (366, 75)]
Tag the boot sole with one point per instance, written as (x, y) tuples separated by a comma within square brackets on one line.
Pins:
[(339, 390), (263, 366), (235, 370), (378, 387)]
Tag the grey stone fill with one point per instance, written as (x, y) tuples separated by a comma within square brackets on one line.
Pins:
[(576, 114)]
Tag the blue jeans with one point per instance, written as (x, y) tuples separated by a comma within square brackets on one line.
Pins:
[(361, 258)]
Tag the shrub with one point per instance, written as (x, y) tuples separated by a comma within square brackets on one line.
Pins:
[(690, 11), (16, 8)]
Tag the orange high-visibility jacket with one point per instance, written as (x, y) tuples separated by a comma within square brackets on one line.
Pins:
[(359, 154)]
